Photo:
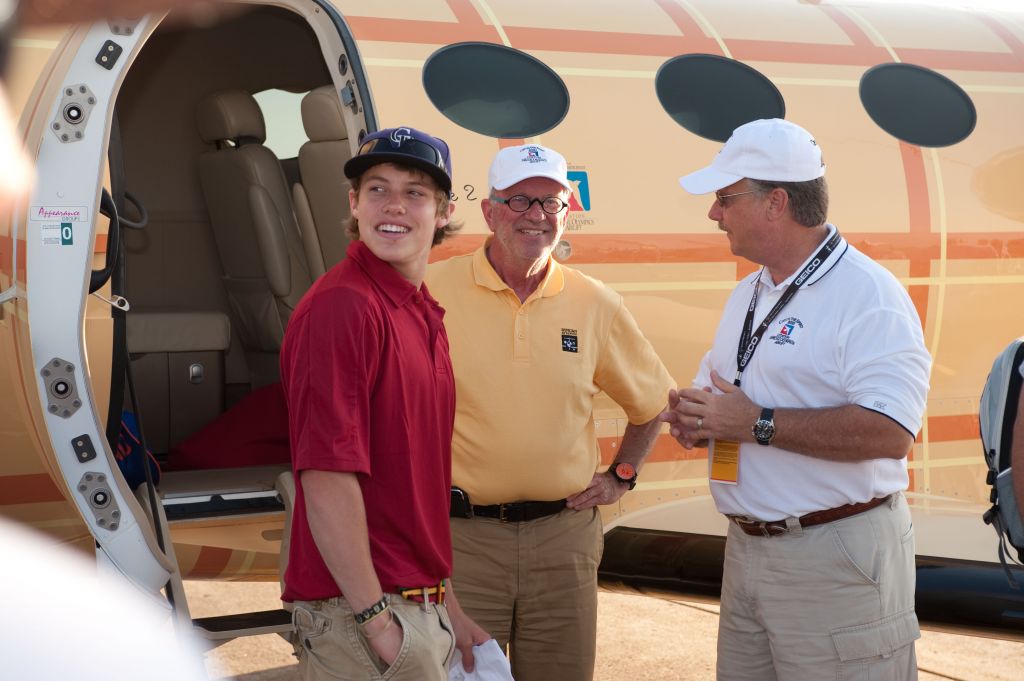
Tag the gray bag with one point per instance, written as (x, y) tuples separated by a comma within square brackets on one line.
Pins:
[(998, 412)]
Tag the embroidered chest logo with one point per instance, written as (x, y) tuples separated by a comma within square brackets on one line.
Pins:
[(787, 332), (570, 342)]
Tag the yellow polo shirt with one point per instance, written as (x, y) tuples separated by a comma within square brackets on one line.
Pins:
[(526, 376)]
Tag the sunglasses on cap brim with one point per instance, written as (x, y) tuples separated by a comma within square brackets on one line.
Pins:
[(408, 147)]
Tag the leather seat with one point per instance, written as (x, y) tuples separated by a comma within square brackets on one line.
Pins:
[(324, 186), (253, 224)]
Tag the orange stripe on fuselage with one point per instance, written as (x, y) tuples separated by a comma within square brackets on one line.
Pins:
[(605, 42), (465, 13), (211, 562), (920, 247), (919, 219), (1015, 44), (665, 449), (420, 32), (36, 488), (861, 53), (848, 26), (954, 428), (686, 24)]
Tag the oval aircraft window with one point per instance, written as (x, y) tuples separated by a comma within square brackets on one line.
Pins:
[(495, 90), (917, 105), (711, 95)]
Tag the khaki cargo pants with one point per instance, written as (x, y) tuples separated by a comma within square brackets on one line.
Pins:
[(331, 646)]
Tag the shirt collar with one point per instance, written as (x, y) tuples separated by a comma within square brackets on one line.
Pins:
[(396, 287), (765, 278), (485, 275)]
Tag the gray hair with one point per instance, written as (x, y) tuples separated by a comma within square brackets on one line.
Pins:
[(808, 201)]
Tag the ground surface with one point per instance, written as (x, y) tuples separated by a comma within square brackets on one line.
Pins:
[(665, 640)]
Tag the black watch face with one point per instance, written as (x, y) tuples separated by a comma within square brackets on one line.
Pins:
[(764, 431)]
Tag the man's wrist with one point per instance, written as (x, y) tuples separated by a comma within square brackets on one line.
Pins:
[(371, 612), (624, 473), (378, 625)]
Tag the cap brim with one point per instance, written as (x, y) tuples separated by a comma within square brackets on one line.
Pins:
[(707, 180), (357, 165), (508, 182)]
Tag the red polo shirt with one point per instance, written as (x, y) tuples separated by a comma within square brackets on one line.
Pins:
[(369, 386)]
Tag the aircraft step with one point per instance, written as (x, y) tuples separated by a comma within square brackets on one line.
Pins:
[(243, 624)]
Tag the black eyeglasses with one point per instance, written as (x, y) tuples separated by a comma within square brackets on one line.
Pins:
[(552, 205), (407, 147)]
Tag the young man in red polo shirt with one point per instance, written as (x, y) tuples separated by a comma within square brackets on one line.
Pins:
[(371, 404)]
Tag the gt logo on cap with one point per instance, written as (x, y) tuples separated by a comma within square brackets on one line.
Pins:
[(399, 135)]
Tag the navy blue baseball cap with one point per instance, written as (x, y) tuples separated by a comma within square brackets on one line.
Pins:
[(404, 145)]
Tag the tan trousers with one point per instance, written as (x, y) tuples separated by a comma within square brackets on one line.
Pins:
[(833, 601), (331, 646), (533, 586)]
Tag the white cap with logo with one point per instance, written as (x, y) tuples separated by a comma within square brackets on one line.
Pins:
[(769, 149), (515, 164)]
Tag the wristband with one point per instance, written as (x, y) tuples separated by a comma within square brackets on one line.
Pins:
[(371, 612), (391, 620)]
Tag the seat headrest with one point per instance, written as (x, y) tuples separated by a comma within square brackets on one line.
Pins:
[(230, 115), (321, 115)]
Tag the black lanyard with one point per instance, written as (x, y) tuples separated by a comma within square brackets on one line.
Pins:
[(748, 343)]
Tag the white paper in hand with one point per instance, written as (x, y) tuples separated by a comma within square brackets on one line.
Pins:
[(491, 664)]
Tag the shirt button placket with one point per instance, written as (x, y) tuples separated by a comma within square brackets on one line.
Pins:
[(521, 342)]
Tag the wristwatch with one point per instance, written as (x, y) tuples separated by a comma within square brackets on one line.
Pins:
[(764, 427), (624, 472)]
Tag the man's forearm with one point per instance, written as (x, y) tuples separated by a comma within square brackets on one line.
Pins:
[(637, 442), (848, 433), (337, 520)]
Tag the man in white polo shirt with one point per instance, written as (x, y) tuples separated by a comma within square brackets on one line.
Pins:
[(808, 402)]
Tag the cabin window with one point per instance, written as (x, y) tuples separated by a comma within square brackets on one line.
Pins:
[(282, 114), (495, 90), (917, 105), (711, 95)]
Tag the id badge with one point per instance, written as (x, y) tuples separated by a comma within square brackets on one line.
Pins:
[(725, 462)]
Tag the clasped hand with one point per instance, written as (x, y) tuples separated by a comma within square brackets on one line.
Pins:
[(695, 415)]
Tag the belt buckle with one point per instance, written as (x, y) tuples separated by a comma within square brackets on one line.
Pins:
[(757, 525)]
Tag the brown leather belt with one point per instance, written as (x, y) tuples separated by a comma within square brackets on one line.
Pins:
[(773, 528)]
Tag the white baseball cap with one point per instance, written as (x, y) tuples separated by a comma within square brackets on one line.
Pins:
[(515, 164), (769, 149)]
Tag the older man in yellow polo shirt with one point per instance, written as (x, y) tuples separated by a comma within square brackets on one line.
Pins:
[(532, 344)]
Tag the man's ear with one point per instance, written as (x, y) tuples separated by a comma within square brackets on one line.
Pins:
[(487, 207), (778, 201), (353, 202), (446, 217)]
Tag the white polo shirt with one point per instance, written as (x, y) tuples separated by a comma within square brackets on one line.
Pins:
[(850, 335)]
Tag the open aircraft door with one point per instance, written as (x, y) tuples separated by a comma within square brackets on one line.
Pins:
[(70, 128), (69, 120)]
